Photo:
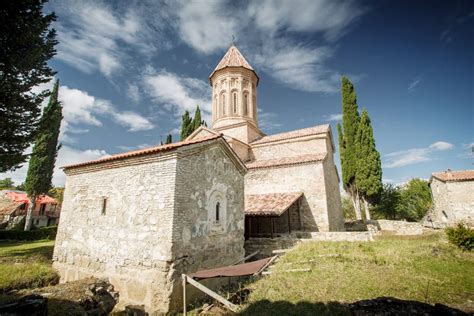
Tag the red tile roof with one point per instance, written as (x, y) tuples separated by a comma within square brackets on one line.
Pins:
[(8, 206), (286, 161), (146, 151), (293, 134), (233, 58), (454, 176), (271, 204), (22, 197)]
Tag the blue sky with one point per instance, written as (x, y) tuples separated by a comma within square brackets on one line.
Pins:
[(129, 69)]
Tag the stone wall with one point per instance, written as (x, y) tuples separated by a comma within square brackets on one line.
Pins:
[(130, 244), (398, 227), (331, 179), (453, 202), (307, 178), (291, 148)]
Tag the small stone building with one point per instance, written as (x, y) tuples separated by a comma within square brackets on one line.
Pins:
[(453, 197), (142, 218), (292, 182)]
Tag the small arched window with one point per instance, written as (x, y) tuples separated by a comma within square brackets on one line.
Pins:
[(246, 104), (223, 103), (234, 102), (218, 210)]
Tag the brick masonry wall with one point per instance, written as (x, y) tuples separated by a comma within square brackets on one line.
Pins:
[(453, 202), (290, 148), (131, 243)]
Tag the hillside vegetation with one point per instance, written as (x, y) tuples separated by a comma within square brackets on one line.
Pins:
[(421, 268)]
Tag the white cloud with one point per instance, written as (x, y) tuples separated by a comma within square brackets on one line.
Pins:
[(130, 148), (92, 35), (178, 93), (414, 84), (133, 93), (415, 155), (333, 117), (268, 120), (134, 121), (66, 156)]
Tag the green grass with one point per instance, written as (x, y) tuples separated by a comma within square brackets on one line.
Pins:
[(422, 268), (26, 265)]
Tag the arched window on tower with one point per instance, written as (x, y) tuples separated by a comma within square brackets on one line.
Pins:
[(246, 104), (223, 111), (218, 210), (234, 102)]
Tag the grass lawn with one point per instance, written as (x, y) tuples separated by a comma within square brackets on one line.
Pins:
[(421, 268), (26, 264)]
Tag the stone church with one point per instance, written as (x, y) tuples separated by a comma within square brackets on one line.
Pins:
[(142, 218)]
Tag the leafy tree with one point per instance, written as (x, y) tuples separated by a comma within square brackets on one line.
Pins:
[(197, 121), (186, 125), (169, 139), (415, 200), (368, 178), (43, 157), (21, 187), (26, 44), (57, 193), (347, 142), (6, 183), (348, 208), (387, 203)]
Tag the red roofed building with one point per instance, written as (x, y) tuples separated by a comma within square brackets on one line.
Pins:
[(453, 197), (46, 212)]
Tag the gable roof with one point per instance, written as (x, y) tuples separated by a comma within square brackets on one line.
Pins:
[(233, 58), (271, 204), (315, 130), (285, 161), (146, 151), (454, 176), (8, 206)]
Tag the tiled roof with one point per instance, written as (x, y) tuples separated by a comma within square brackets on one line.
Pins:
[(271, 204), (8, 206), (293, 134), (454, 176), (233, 58), (146, 151), (20, 196), (286, 161)]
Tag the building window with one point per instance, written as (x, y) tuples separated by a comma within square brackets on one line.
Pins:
[(216, 106), (42, 209), (223, 103), (218, 209), (234, 102), (104, 206), (23, 207), (246, 104)]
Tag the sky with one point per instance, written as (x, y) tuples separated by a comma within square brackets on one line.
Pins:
[(129, 69)]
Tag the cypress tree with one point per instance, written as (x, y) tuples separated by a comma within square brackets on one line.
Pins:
[(26, 44), (369, 167), (43, 157), (347, 141), (186, 123), (169, 139), (197, 121)]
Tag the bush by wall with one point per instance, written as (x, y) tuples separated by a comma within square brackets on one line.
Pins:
[(36, 234), (461, 236)]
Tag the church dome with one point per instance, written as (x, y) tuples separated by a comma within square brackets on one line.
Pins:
[(233, 58)]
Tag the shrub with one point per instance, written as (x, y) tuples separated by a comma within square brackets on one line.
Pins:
[(37, 234), (461, 236)]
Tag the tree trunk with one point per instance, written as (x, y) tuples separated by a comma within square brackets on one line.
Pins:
[(29, 213), (366, 207), (356, 202)]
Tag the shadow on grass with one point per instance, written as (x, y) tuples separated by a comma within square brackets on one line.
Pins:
[(43, 253), (265, 307)]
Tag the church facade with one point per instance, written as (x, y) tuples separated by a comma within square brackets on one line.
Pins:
[(292, 182)]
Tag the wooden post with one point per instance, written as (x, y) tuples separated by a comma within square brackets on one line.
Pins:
[(289, 223), (271, 234), (183, 276)]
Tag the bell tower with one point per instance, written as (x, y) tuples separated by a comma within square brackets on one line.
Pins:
[(234, 97)]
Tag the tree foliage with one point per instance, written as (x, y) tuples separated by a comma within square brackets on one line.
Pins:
[(6, 183), (169, 139), (190, 124), (45, 149), (386, 205), (415, 200), (26, 44)]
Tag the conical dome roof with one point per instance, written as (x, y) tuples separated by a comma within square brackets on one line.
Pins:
[(233, 58)]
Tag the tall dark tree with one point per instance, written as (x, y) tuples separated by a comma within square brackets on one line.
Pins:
[(43, 157), (347, 141), (26, 44), (368, 178), (169, 139), (186, 125), (197, 121)]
